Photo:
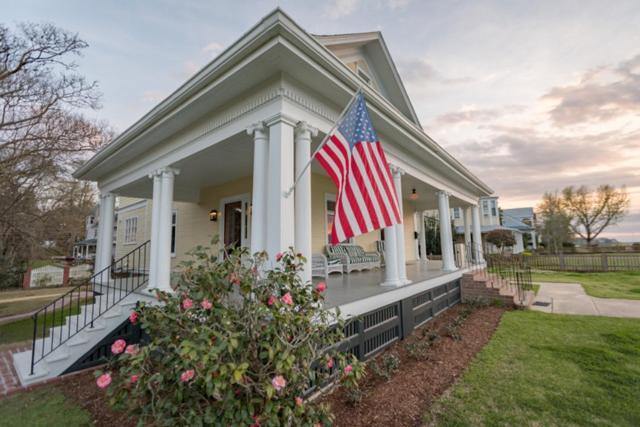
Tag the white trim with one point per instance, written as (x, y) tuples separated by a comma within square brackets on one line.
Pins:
[(132, 206), (365, 305), (245, 228)]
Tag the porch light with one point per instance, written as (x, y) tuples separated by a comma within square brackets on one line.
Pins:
[(413, 195), (213, 215)]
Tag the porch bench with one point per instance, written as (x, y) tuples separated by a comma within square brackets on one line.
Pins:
[(321, 266), (353, 257)]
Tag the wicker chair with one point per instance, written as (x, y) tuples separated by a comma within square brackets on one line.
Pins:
[(353, 257), (321, 266)]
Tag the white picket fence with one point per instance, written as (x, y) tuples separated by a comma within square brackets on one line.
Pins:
[(50, 275)]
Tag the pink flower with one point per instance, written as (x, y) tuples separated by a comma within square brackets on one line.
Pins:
[(278, 382), (118, 346), (134, 379), (187, 375), (272, 300), (187, 303), (256, 421), (206, 304), (321, 287), (234, 278), (330, 363), (133, 317), (348, 369), (104, 380), (299, 401), (132, 349), (279, 256), (287, 299)]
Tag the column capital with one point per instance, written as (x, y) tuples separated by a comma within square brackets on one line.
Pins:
[(280, 118), (258, 129), (443, 192), (165, 171), (396, 170), (304, 129)]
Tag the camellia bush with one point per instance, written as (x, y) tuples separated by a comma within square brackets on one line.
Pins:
[(235, 344)]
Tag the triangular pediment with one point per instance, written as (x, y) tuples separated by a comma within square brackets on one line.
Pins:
[(366, 54)]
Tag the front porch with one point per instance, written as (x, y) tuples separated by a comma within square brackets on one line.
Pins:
[(345, 289)]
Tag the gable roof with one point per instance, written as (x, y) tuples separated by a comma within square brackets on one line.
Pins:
[(373, 49), (276, 31)]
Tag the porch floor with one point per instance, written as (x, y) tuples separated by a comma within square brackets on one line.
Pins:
[(357, 285)]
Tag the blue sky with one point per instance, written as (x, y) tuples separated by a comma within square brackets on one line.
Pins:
[(532, 96)]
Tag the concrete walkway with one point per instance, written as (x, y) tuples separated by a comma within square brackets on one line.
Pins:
[(570, 298)]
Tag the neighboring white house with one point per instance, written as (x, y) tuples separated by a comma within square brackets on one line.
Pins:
[(491, 219), (85, 249), (217, 156)]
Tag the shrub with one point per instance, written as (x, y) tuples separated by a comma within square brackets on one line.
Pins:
[(386, 366), (231, 346), (418, 350)]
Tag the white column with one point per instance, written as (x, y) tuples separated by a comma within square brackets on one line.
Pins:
[(259, 191), (163, 278), (108, 201), (466, 212), (477, 234), (400, 239), (391, 277), (422, 237), (446, 238), (97, 260), (155, 226), (302, 194), (534, 244), (280, 209)]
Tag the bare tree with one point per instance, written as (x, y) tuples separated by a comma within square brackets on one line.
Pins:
[(43, 134), (594, 211), (555, 222)]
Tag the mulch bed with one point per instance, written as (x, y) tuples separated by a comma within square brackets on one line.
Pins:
[(82, 389), (406, 397), (401, 401)]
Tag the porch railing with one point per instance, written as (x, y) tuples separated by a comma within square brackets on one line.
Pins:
[(83, 304)]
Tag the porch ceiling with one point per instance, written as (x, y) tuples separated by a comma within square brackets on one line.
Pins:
[(226, 161)]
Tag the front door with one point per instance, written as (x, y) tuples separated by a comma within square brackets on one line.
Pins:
[(233, 214)]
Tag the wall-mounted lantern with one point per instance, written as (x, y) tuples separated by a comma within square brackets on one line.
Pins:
[(213, 215)]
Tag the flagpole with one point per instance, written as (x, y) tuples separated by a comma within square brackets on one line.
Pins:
[(324, 140)]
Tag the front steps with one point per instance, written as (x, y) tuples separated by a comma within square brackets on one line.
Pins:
[(480, 287), (62, 356)]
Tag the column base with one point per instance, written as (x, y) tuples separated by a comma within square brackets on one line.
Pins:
[(392, 283)]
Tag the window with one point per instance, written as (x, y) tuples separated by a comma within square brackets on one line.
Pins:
[(494, 210), (485, 207), (330, 213), (174, 220), (456, 213), (130, 229)]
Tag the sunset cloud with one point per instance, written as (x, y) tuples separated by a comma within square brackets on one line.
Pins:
[(602, 94)]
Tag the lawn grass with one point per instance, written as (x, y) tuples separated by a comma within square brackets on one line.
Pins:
[(623, 284), (46, 406), (550, 370), (22, 330)]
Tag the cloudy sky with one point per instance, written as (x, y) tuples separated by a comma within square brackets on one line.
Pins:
[(531, 96)]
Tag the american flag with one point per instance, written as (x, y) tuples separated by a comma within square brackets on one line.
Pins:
[(354, 159)]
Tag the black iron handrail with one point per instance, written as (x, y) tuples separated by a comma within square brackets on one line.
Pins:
[(104, 289)]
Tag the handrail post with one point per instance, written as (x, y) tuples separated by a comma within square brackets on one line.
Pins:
[(33, 344)]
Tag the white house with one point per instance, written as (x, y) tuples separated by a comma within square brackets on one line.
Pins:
[(524, 220), (217, 156), (493, 218)]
